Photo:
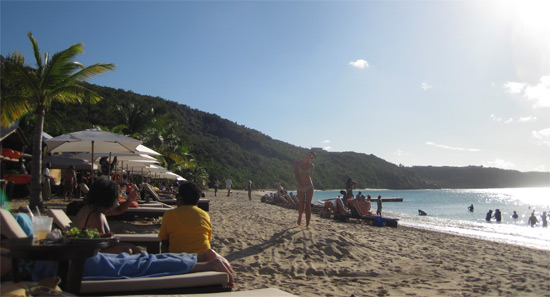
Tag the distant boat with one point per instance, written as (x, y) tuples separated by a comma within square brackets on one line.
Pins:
[(390, 199), (387, 199)]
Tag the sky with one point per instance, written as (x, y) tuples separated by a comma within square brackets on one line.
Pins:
[(441, 83)]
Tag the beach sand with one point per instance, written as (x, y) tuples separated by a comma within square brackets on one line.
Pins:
[(331, 258)]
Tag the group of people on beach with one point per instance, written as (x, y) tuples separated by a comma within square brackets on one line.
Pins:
[(185, 231), (349, 204), (531, 221), (185, 234), (229, 186)]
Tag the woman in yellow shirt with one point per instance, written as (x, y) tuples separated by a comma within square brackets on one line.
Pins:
[(186, 229)]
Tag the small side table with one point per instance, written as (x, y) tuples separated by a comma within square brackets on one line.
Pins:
[(69, 256)]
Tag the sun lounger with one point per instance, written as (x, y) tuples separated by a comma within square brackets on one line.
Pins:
[(149, 189), (150, 241), (269, 292), (372, 220), (154, 204), (9, 226), (196, 282), (203, 204), (151, 212)]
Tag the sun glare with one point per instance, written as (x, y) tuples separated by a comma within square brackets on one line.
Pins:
[(528, 16), (528, 25)]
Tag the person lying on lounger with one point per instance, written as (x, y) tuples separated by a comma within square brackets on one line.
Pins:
[(338, 207)]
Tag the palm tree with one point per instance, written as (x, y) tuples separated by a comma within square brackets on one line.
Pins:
[(58, 78)]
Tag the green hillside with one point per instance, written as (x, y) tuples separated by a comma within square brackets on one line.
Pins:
[(480, 177), (218, 148)]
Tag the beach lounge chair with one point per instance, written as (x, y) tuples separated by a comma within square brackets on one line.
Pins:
[(150, 212), (9, 227), (268, 292), (372, 220), (150, 241), (196, 282), (203, 204)]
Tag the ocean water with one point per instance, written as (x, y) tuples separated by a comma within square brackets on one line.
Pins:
[(447, 211)]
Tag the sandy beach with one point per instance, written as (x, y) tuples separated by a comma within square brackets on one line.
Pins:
[(332, 258)]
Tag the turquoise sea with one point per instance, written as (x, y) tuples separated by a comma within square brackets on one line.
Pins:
[(447, 211)]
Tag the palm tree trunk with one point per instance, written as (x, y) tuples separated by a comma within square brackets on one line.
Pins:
[(36, 172)]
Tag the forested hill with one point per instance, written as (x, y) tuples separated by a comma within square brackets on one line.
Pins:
[(223, 148), (480, 177)]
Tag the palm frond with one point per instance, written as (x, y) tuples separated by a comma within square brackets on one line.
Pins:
[(62, 65), (22, 77), (36, 52), (13, 107), (88, 72), (72, 94)]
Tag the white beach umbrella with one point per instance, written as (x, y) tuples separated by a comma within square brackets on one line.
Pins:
[(92, 141), (120, 157), (155, 168), (64, 160), (173, 176), (141, 149)]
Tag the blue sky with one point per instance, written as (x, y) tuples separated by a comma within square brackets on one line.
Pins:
[(438, 83)]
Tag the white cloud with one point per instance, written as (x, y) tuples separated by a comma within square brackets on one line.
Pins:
[(443, 146), (540, 168), (539, 93), (527, 119), (511, 120), (499, 163), (495, 118), (514, 87), (543, 136), (326, 141), (425, 86), (401, 153), (327, 148), (361, 64)]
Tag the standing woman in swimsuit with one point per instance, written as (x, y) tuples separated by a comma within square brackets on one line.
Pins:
[(303, 171)]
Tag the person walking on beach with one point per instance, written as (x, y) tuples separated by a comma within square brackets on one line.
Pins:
[(69, 182), (216, 186), (228, 184), (515, 215), (46, 182), (379, 206), (303, 172), (250, 190), (544, 219)]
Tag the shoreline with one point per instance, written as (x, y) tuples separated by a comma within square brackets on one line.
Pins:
[(331, 258)]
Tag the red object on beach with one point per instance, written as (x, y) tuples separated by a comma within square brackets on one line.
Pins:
[(11, 154), (18, 178)]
